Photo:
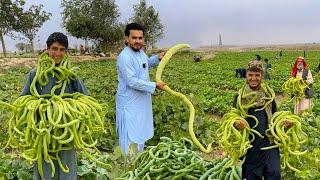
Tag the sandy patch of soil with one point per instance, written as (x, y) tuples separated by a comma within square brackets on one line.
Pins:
[(31, 62)]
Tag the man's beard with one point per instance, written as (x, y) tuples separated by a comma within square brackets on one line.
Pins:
[(135, 49), (300, 67)]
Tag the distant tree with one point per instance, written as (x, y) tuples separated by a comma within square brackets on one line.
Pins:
[(10, 11), (31, 21), (20, 46), (28, 48), (24, 47), (95, 20), (149, 18)]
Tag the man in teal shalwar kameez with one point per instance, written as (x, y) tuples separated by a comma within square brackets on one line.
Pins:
[(133, 99)]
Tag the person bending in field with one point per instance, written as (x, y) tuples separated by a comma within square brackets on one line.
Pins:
[(258, 57), (267, 69), (241, 72), (57, 45), (280, 54), (259, 163), (133, 100)]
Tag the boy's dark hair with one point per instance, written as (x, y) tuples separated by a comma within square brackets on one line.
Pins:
[(133, 26), (254, 69), (255, 66), (57, 37)]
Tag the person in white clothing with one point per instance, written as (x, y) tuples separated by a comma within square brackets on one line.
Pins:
[(133, 100)]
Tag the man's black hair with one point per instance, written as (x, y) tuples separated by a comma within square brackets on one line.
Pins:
[(258, 57), (133, 26), (57, 37)]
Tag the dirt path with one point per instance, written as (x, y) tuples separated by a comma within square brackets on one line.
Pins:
[(215, 116), (16, 62), (206, 54), (7, 63)]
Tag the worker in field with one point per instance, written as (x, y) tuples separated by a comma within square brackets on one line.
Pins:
[(81, 50), (300, 69), (57, 45), (258, 57), (241, 72), (133, 100), (197, 58), (258, 163), (267, 69)]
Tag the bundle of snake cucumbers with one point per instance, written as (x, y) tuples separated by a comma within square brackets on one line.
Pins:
[(43, 125), (288, 140), (295, 86), (233, 141)]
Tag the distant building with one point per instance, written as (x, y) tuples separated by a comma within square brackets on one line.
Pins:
[(220, 40)]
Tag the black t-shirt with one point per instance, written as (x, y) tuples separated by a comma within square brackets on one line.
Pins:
[(255, 155)]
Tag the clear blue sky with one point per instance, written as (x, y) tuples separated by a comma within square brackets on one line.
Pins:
[(198, 22)]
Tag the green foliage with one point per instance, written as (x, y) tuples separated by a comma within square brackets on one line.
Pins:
[(20, 46), (10, 11), (31, 20), (309, 163), (210, 84), (95, 20), (149, 18), (88, 170), (12, 167)]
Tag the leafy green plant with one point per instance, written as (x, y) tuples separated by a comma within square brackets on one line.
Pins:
[(13, 167)]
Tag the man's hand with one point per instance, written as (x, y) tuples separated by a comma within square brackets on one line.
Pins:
[(240, 124), (160, 85), (160, 55), (287, 124)]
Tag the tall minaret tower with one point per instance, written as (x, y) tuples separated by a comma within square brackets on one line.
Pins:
[(220, 40)]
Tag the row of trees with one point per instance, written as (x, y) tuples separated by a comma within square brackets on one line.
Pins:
[(93, 20), (98, 21), (17, 22)]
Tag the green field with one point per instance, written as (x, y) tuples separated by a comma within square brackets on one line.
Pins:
[(210, 84)]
